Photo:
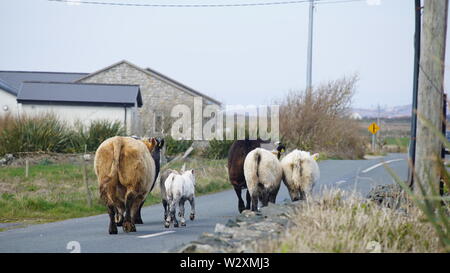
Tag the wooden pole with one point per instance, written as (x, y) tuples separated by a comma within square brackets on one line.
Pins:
[(27, 167), (430, 95)]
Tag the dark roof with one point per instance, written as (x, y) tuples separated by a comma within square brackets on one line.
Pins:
[(155, 74), (80, 93), (15, 78), (8, 88)]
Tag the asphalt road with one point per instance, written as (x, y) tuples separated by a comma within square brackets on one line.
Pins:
[(90, 234)]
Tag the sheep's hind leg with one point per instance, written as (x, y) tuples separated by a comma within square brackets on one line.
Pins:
[(192, 202), (254, 202), (181, 211), (165, 205)]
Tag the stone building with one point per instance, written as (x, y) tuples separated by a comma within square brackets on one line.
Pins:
[(159, 93)]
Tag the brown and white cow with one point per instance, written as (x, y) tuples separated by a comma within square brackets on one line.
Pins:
[(125, 171)]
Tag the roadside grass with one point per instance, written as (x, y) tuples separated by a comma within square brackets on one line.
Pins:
[(400, 141), (54, 192), (338, 223)]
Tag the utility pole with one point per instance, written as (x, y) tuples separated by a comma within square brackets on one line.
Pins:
[(430, 96), (412, 143), (310, 46)]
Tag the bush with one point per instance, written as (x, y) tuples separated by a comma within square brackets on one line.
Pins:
[(217, 149), (46, 133), (174, 147), (30, 134), (93, 135), (318, 120)]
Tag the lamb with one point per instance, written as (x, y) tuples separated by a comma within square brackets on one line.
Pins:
[(300, 173), (179, 188), (162, 189), (263, 174)]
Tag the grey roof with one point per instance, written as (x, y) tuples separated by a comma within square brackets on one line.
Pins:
[(155, 74), (8, 88), (15, 78), (79, 94)]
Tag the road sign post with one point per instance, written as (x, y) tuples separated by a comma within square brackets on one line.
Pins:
[(373, 128)]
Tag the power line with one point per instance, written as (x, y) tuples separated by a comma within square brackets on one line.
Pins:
[(87, 2)]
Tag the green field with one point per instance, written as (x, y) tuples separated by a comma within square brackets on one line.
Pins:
[(54, 192)]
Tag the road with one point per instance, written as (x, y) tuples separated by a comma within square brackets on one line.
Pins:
[(91, 233)]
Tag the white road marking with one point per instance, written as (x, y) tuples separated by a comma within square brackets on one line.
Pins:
[(156, 234), (380, 164), (341, 182)]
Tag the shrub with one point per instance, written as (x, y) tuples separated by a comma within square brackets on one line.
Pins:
[(217, 149), (318, 120), (174, 147), (93, 135), (46, 133), (31, 134)]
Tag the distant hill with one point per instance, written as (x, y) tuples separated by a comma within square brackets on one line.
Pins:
[(385, 112)]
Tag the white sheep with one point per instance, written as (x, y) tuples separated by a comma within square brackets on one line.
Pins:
[(179, 188), (263, 173), (300, 173)]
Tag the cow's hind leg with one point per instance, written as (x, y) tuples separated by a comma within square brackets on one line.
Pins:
[(138, 218), (128, 225), (112, 221), (192, 202), (241, 205), (120, 209), (249, 200)]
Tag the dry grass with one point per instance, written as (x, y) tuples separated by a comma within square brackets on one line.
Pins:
[(319, 120), (338, 223)]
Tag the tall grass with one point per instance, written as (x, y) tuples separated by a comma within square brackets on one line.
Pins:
[(46, 133), (340, 223), (36, 133)]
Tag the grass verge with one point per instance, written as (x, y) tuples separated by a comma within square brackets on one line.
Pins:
[(338, 223), (54, 192)]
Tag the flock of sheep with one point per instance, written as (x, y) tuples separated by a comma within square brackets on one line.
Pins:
[(127, 169)]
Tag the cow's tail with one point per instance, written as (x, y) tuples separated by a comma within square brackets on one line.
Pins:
[(117, 147), (109, 183)]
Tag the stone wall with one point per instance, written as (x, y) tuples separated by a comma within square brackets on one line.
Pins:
[(241, 234), (158, 96)]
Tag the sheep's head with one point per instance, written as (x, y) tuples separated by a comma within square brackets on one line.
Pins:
[(190, 173), (279, 149)]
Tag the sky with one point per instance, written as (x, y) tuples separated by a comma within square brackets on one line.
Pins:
[(238, 55)]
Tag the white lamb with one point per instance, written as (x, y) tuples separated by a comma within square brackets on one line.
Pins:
[(263, 173), (179, 188), (300, 173)]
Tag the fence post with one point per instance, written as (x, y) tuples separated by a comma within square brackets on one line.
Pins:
[(84, 158)]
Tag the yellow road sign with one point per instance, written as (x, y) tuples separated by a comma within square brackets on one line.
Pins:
[(373, 128)]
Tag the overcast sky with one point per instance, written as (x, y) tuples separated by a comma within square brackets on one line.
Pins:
[(246, 55)]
